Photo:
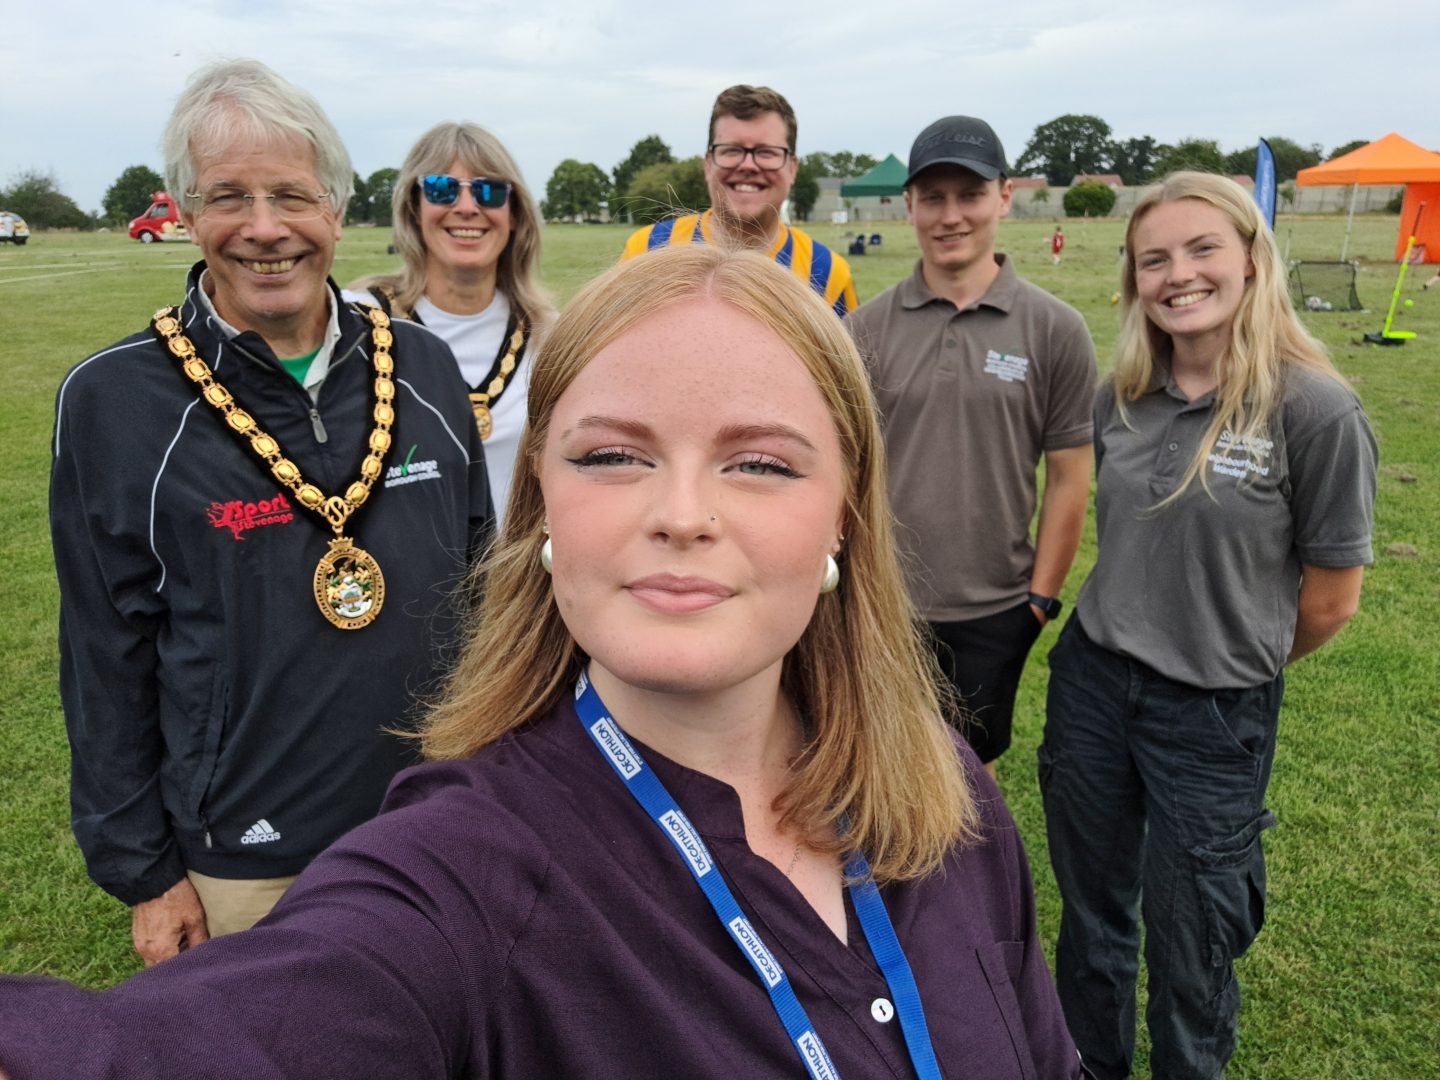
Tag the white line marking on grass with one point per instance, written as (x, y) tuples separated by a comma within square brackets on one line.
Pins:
[(42, 277), (53, 266)]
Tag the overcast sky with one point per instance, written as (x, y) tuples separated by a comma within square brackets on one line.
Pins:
[(85, 87)]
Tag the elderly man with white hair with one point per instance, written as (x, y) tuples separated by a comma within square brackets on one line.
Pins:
[(260, 506)]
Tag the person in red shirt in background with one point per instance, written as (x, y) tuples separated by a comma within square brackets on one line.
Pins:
[(1057, 244)]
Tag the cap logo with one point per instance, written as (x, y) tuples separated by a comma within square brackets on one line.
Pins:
[(941, 137)]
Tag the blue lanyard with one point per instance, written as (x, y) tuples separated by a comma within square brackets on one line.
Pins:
[(650, 793)]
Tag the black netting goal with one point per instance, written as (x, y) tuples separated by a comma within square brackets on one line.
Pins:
[(1324, 286)]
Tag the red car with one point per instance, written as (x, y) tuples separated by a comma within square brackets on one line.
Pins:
[(160, 222)]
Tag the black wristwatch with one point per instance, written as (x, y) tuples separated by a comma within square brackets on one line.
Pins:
[(1049, 605)]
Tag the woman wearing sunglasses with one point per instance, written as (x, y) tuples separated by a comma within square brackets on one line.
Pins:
[(693, 730), (469, 233)]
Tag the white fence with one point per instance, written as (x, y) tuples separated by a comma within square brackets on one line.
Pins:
[(1027, 206)]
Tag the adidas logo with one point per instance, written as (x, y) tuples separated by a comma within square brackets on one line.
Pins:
[(260, 833)]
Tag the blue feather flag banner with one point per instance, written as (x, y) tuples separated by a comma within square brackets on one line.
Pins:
[(1265, 188)]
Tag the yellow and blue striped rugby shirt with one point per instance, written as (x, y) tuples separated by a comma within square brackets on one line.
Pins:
[(808, 259)]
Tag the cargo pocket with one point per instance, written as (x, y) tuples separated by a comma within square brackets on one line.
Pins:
[(1230, 878), (1044, 767)]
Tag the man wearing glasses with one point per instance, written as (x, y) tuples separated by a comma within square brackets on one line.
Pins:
[(259, 505), (750, 165)]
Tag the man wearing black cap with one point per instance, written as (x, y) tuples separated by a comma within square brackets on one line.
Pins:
[(979, 375)]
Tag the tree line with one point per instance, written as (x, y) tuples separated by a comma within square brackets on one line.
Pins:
[(651, 182), (1078, 144), (36, 197)]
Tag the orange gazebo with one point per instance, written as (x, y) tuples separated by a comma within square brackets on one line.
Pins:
[(1391, 160)]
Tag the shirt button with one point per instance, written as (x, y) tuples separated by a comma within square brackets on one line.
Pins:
[(882, 1010), (1174, 446), (949, 343)]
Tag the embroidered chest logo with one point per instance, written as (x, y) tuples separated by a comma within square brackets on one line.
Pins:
[(1006, 366), (1235, 456), (239, 516), (411, 471)]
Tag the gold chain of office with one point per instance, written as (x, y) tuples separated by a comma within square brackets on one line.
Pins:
[(480, 401), (349, 587)]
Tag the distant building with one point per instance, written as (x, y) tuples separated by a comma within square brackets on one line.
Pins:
[(1108, 179)]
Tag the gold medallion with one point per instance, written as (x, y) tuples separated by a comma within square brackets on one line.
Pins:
[(480, 400), (484, 422), (349, 586)]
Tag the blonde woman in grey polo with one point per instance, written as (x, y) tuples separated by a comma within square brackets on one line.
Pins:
[(1234, 501)]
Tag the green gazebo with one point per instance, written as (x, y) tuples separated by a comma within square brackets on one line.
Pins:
[(887, 178)]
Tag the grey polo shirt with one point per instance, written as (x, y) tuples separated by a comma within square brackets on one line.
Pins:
[(1205, 590), (970, 399)]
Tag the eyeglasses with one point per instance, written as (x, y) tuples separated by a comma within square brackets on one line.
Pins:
[(444, 190), (288, 204), (731, 155)]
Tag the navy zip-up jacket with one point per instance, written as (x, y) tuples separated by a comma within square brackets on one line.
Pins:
[(217, 721)]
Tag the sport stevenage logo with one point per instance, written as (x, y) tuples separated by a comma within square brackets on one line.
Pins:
[(262, 832), (678, 828), (745, 934), (612, 740), (816, 1059), (239, 516)]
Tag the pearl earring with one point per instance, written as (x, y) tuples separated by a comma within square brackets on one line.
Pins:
[(831, 581), (547, 556)]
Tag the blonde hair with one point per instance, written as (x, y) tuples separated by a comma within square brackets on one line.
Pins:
[(482, 154), (878, 755), (1265, 335)]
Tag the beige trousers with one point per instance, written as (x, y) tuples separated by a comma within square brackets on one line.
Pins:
[(232, 906)]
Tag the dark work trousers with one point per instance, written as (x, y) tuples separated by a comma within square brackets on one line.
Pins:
[(983, 660), (1154, 796)]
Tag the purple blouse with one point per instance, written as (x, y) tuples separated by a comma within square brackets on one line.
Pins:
[(517, 916)]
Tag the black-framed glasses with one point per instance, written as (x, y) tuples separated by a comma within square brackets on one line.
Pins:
[(288, 204), (444, 190), (731, 155)]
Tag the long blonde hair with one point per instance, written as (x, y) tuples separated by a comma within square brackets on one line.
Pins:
[(877, 753), (482, 154), (1265, 335)]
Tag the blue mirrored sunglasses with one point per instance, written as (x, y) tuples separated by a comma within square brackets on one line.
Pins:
[(444, 190)]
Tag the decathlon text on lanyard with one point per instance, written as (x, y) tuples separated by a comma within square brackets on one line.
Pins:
[(650, 793)]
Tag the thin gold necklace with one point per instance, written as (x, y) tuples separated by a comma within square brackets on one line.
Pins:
[(349, 587), (794, 859)]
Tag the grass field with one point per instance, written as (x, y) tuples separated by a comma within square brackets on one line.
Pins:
[(1345, 980)]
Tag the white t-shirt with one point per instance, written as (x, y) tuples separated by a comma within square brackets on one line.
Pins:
[(475, 340)]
